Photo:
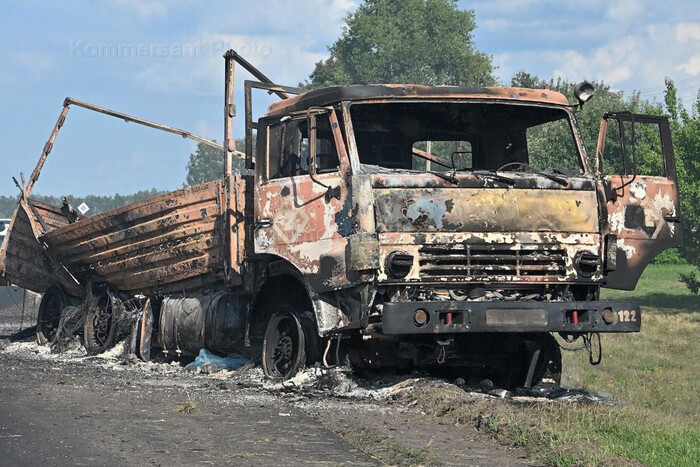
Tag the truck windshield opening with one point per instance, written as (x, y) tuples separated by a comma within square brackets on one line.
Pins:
[(444, 137)]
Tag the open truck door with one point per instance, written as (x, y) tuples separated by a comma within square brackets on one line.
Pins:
[(638, 172)]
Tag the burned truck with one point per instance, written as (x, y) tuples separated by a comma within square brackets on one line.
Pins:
[(390, 226)]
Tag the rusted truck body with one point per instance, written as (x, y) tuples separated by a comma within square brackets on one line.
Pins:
[(384, 225)]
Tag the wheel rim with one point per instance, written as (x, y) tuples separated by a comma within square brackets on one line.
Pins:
[(283, 347), (99, 325)]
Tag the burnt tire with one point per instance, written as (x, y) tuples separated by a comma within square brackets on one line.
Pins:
[(312, 341), (283, 353), (49, 315), (289, 344), (99, 329)]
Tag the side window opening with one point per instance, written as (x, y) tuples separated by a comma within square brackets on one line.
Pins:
[(288, 149), (288, 143), (326, 152), (633, 148)]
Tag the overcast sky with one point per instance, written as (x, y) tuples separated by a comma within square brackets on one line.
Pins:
[(162, 61)]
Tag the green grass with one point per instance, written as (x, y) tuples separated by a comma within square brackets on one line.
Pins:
[(660, 288), (654, 376), (656, 372)]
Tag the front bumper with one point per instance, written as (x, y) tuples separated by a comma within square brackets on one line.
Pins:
[(449, 317)]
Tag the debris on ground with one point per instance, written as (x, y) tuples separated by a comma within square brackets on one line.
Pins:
[(208, 362), (337, 382)]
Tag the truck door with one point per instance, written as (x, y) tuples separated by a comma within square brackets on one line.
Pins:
[(301, 212), (635, 159)]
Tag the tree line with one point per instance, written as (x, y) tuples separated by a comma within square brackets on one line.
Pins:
[(97, 204)]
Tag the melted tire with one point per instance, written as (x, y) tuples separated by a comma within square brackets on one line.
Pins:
[(49, 315), (99, 330)]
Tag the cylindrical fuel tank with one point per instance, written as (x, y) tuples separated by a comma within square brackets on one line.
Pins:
[(215, 321)]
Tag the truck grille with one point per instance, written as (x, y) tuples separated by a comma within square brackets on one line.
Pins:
[(479, 262)]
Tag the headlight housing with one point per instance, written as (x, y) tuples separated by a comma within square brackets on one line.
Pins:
[(398, 264)]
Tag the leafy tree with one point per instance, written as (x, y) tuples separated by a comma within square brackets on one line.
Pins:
[(588, 118), (406, 41), (207, 164), (686, 144)]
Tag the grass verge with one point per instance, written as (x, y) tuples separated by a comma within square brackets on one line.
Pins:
[(654, 376)]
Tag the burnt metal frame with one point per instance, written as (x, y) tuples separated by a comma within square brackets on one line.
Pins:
[(397, 317), (665, 139), (27, 188), (250, 125), (310, 115)]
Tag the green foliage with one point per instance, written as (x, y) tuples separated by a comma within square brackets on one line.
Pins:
[(207, 164), (685, 127), (672, 256), (406, 41), (588, 118)]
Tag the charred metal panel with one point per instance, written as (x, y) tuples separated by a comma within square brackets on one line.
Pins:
[(645, 219), (46, 214), (297, 221), (485, 210), (23, 259), (384, 92), (471, 180), (364, 251), (148, 245), (512, 317), (240, 216)]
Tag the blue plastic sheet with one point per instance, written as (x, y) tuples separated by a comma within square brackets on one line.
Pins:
[(215, 363)]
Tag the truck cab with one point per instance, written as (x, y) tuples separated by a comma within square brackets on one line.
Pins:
[(447, 220)]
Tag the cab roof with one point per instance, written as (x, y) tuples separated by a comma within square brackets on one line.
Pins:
[(355, 92)]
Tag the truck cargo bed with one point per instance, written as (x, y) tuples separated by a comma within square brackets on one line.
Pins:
[(171, 242)]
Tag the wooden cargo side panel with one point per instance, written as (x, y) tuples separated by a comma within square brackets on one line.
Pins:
[(151, 245), (51, 215), (23, 261)]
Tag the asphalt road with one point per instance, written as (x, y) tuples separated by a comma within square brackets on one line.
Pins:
[(55, 413)]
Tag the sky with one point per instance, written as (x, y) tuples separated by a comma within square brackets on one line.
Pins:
[(162, 60)]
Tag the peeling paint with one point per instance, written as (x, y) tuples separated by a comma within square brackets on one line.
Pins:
[(638, 190), (424, 210)]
